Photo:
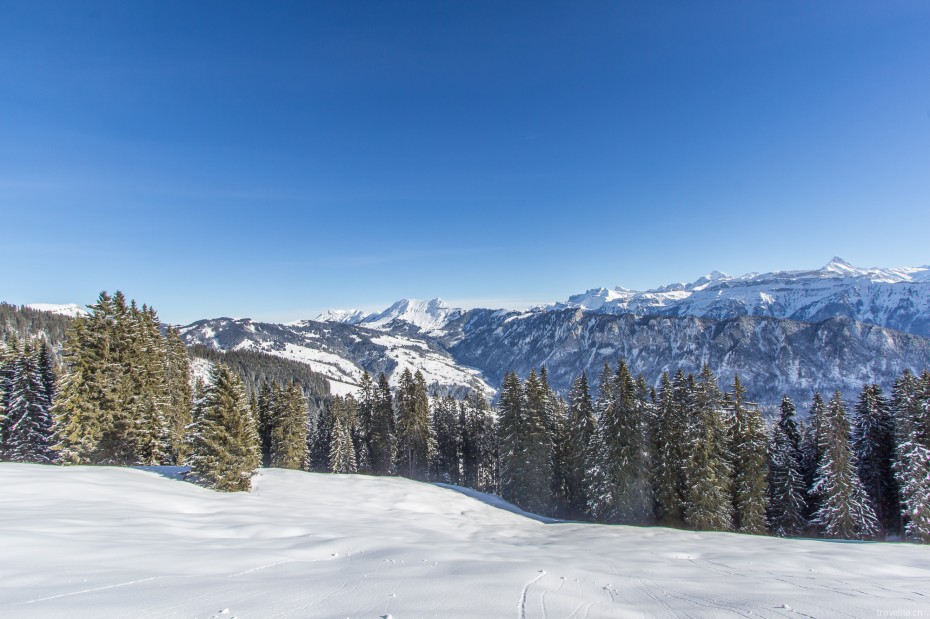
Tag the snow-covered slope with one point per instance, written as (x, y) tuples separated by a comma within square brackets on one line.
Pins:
[(428, 317), (341, 352), (70, 309), (894, 298), (105, 542)]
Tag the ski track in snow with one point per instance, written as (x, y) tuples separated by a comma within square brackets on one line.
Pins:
[(521, 607)]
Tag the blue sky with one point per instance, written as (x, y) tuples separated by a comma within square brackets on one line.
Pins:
[(275, 159)]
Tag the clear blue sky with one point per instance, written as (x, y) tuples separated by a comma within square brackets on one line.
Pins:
[(273, 159)]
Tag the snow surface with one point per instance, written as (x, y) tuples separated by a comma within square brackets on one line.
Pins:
[(98, 542), (68, 309)]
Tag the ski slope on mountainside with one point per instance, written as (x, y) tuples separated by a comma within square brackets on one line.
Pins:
[(97, 542)]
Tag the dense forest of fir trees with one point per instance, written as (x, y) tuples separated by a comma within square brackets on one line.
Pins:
[(686, 454)]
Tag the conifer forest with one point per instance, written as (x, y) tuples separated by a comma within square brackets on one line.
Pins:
[(688, 453)]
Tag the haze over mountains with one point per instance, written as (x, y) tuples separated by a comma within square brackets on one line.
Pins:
[(792, 332)]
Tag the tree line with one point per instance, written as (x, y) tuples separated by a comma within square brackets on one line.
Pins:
[(685, 453)]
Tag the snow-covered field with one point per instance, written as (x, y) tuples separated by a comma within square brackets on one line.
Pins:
[(94, 542)]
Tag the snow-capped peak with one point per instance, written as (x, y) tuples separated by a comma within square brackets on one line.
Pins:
[(349, 316), (69, 309), (426, 315)]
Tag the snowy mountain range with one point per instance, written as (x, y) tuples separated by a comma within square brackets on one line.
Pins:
[(792, 332)]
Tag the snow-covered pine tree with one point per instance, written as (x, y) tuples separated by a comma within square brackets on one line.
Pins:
[(415, 441), (510, 431), (365, 403), (624, 454), (873, 440), (180, 397), (597, 474), (146, 396), (265, 407), (446, 465), (844, 511), (288, 448), (534, 491), (582, 427), (811, 453), (911, 402), (46, 361), (709, 476), (27, 427), (479, 447), (787, 489), (671, 438), (225, 445), (342, 456), (383, 443), (321, 440), (83, 409), (749, 454)]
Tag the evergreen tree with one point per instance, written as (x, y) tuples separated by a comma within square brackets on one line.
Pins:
[(672, 437), (510, 432), (533, 493), (414, 438), (322, 439), (479, 444), (581, 430), (266, 405), (811, 453), (844, 510), (623, 455), (383, 442), (365, 403), (288, 449), (225, 443), (27, 424), (342, 456), (446, 465), (708, 506), (749, 452), (177, 373), (873, 439), (911, 399), (787, 490)]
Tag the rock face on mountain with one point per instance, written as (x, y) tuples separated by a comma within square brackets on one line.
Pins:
[(772, 356)]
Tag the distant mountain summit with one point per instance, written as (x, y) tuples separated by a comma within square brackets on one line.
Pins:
[(426, 316), (895, 298)]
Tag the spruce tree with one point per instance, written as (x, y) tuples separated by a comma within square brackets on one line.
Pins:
[(708, 506), (582, 428), (533, 493), (844, 511), (27, 427), (288, 449), (179, 412), (414, 437), (787, 489), (383, 441), (225, 443), (749, 453), (479, 444), (672, 437), (510, 433), (365, 402), (342, 456), (321, 440), (623, 454), (811, 453), (873, 439), (911, 399), (446, 465)]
